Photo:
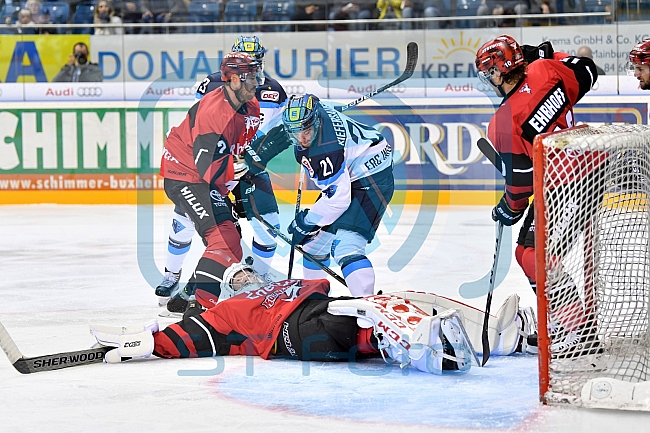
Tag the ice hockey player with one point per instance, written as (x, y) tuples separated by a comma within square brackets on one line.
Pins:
[(271, 97), (639, 66), (295, 319), (352, 165), (197, 164), (540, 88)]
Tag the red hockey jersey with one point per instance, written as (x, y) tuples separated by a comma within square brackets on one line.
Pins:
[(200, 148), (258, 315), (542, 102)]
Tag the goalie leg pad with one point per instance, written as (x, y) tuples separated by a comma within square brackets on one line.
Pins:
[(410, 336), (129, 342)]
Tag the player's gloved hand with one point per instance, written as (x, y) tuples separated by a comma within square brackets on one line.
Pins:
[(542, 51), (301, 231), (503, 213), (264, 148)]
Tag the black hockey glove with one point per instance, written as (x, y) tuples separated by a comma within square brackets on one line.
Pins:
[(503, 213), (301, 231), (266, 147), (542, 51)]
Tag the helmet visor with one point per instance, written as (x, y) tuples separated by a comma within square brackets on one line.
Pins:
[(488, 75)]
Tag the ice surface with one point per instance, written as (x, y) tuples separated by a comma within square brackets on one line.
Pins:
[(62, 267)]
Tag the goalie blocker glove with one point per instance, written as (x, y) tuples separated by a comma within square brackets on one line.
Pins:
[(264, 148), (502, 212), (129, 341), (301, 231)]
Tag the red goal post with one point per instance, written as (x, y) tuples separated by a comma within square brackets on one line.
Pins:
[(592, 226)]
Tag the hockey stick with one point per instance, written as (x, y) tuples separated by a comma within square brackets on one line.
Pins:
[(56, 361), (488, 303), (411, 63), (286, 239), (476, 289), (292, 253)]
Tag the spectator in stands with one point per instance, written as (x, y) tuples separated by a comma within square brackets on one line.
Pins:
[(79, 67), (500, 8), (130, 11), (307, 13), (105, 14), (163, 12), (25, 25), (39, 16), (433, 9), (585, 51), (395, 9)]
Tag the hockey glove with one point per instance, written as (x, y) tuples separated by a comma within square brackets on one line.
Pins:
[(301, 231), (503, 213), (264, 148), (542, 51)]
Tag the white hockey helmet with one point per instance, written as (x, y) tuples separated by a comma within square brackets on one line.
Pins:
[(240, 278)]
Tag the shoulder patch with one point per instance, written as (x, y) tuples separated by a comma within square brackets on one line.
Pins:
[(269, 95), (305, 162)]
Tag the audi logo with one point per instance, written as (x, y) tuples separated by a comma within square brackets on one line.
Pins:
[(186, 91), (294, 89), (89, 92)]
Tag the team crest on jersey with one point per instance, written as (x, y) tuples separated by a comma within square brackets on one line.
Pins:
[(286, 291), (526, 89), (270, 95), (252, 122), (305, 162)]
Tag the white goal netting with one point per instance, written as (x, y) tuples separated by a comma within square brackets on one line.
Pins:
[(593, 219)]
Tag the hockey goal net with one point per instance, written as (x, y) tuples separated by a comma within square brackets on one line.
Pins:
[(592, 229)]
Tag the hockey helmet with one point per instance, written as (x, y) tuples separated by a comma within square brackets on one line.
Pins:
[(250, 45), (502, 55), (243, 65), (300, 114), (240, 278), (640, 55)]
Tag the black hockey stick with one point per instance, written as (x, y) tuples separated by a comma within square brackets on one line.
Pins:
[(286, 239), (493, 156), (292, 253), (488, 303), (411, 63), (56, 361)]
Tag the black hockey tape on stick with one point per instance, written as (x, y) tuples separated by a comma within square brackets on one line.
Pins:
[(411, 63), (286, 239), (491, 154), (57, 361)]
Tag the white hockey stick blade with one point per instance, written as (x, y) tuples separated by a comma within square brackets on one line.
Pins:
[(56, 361)]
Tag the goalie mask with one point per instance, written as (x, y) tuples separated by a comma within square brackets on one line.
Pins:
[(240, 278), (639, 63), (301, 119)]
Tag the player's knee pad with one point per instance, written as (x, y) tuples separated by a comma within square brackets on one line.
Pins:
[(129, 342)]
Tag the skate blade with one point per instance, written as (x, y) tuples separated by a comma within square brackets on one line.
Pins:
[(170, 315)]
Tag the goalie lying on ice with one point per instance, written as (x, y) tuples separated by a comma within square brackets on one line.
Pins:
[(295, 319)]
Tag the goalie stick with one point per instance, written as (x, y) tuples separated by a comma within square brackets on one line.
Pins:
[(57, 361), (411, 63)]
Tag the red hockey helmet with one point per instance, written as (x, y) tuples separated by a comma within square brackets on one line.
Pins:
[(242, 65), (502, 54), (640, 55)]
